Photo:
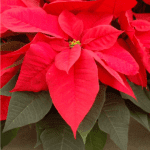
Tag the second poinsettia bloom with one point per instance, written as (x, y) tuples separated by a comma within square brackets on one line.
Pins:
[(71, 66)]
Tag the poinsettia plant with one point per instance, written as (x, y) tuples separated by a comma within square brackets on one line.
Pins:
[(76, 69)]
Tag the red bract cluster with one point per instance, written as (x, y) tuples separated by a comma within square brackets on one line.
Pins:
[(85, 41)]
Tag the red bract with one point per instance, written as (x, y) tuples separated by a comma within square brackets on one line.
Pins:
[(8, 64), (147, 1), (66, 65), (56, 8), (9, 4), (4, 107), (143, 16), (114, 7), (139, 33)]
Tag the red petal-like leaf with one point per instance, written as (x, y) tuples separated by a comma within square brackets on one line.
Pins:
[(91, 19), (110, 77), (32, 20), (56, 8), (13, 3), (7, 74), (59, 44), (147, 1), (125, 24), (37, 61), (141, 25), (107, 78), (144, 38), (66, 59), (143, 16), (32, 3), (70, 24), (73, 94), (115, 7), (143, 53), (118, 58), (100, 37), (9, 58), (4, 106), (141, 77)]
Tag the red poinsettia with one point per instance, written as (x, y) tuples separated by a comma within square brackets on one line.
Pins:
[(9, 4), (139, 34), (65, 64)]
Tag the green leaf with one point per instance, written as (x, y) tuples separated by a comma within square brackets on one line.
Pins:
[(96, 139), (9, 86), (114, 120), (143, 100), (26, 108), (58, 135), (138, 114), (90, 119), (149, 120), (39, 131), (8, 136)]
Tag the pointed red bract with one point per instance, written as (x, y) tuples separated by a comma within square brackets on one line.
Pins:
[(140, 78), (147, 1), (37, 61), (141, 25), (143, 52), (110, 77), (58, 44), (125, 24), (100, 37), (66, 59), (71, 93), (118, 58), (9, 58), (142, 16), (7, 74), (4, 106), (139, 37), (144, 38), (115, 7), (32, 20), (91, 19), (32, 3), (70, 24), (75, 6), (13, 3)]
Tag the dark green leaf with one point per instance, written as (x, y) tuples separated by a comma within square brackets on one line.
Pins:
[(9, 86), (26, 108), (58, 135), (38, 131), (96, 139), (114, 120), (7, 137), (138, 114), (149, 120), (90, 119), (143, 101)]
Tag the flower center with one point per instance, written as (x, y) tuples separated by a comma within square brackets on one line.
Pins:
[(73, 43)]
